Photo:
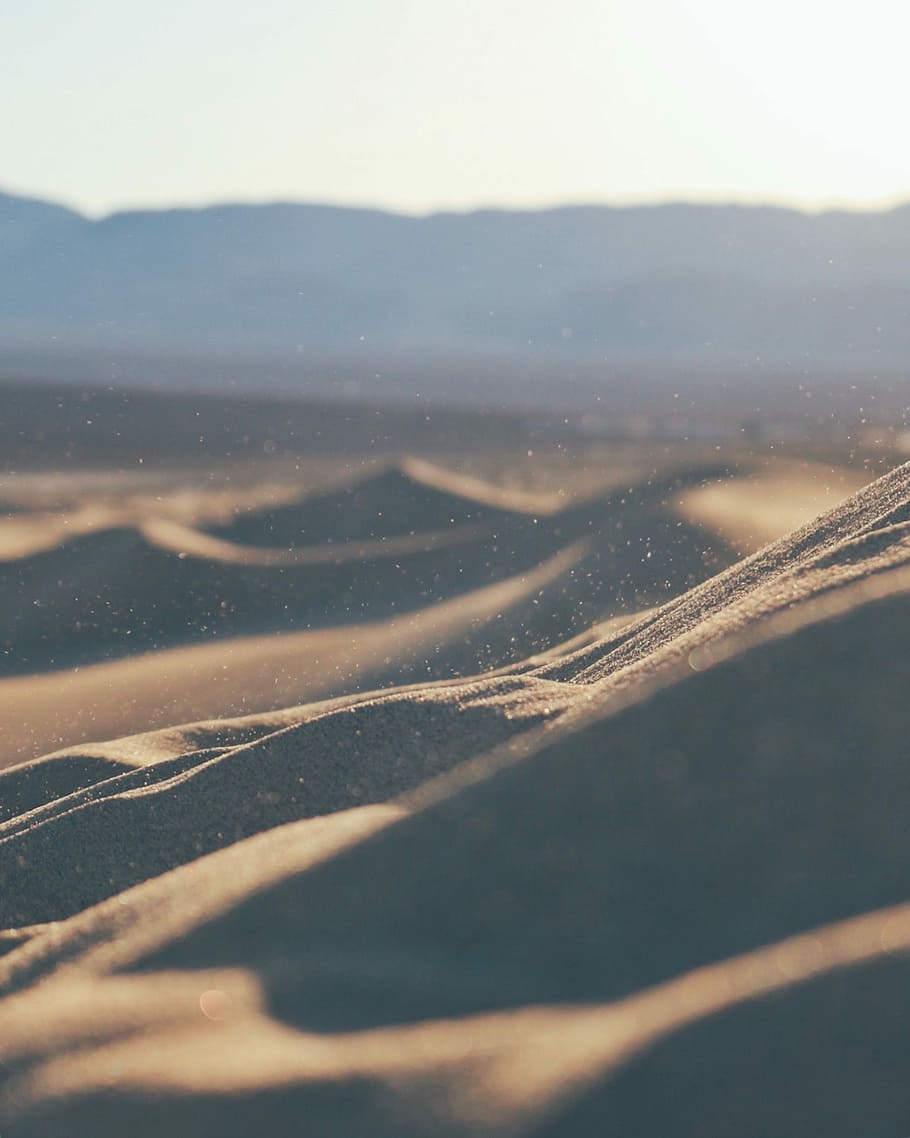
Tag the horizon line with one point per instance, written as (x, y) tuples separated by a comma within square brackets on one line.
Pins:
[(643, 201)]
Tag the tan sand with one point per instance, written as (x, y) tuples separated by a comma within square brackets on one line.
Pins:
[(750, 511), (55, 709), (653, 882), (158, 618)]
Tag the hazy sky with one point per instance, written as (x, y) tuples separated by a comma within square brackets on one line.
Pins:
[(423, 104)]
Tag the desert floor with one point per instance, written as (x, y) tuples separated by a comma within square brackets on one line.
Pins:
[(374, 773)]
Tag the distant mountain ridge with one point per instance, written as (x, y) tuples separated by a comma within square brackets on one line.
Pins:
[(676, 280)]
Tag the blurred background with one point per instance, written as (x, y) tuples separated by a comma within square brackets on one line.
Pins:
[(666, 217)]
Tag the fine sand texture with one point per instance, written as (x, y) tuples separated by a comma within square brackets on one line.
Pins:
[(505, 812)]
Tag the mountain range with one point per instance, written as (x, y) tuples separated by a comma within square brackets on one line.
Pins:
[(727, 285)]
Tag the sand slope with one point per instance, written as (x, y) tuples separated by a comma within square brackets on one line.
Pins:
[(654, 883), (399, 544), (127, 615)]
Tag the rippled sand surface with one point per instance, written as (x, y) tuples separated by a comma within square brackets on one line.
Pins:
[(419, 802)]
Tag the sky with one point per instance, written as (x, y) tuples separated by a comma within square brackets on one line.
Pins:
[(420, 105)]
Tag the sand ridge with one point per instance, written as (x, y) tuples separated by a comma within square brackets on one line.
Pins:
[(157, 619), (157, 583)]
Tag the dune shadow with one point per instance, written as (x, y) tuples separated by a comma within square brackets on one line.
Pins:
[(120, 591), (726, 812), (827, 1057)]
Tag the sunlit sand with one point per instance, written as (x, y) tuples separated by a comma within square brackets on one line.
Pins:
[(426, 801)]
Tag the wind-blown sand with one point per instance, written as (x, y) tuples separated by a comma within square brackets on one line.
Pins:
[(652, 881), (126, 617)]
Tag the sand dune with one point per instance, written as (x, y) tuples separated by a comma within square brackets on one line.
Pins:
[(124, 590), (650, 881), (216, 627), (498, 622), (405, 497), (749, 512)]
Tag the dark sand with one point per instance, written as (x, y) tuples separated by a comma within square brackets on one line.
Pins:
[(646, 875)]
